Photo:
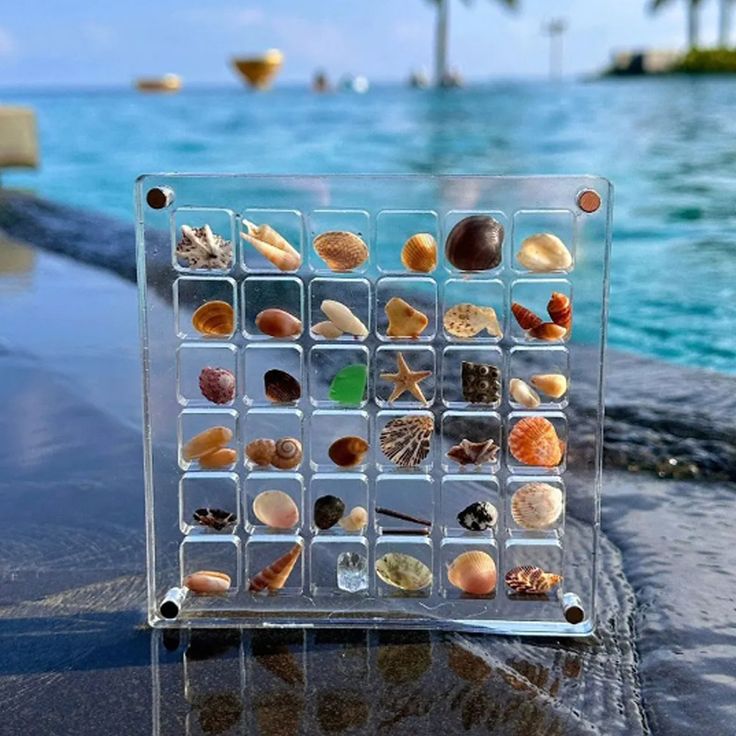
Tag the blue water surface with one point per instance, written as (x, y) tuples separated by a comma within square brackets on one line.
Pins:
[(667, 144)]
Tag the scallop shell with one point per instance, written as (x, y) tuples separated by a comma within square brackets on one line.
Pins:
[(474, 453), (272, 246), (534, 441), (327, 329), (473, 572), (544, 252), (559, 309), (278, 323), (211, 439), (548, 331), (342, 318), (403, 571), (552, 384), (530, 580), (207, 582), (276, 509), (523, 394), (217, 385), (281, 387), (536, 505), (468, 320), (341, 250), (260, 451), (403, 319), (223, 457), (420, 253), (406, 440), (276, 574), (527, 319), (347, 452), (214, 319), (355, 521), (287, 453)]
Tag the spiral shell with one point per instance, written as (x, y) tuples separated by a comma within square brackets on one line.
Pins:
[(278, 323), (420, 253), (548, 331), (260, 451), (403, 319), (403, 571), (207, 582), (552, 384), (559, 309), (523, 394), (208, 441), (406, 440), (287, 453), (347, 452), (214, 319), (276, 509), (341, 250), (527, 319), (531, 580), (534, 441), (468, 320), (272, 246), (274, 576), (536, 505), (544, 252), (473, 572)]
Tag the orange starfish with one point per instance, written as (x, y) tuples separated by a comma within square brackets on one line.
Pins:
[(406, 380)]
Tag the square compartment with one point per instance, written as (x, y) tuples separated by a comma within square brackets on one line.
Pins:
[(259, 358), (479, 293), (272, 424), (394, 228), (383, 462), (352, 221), (450, 550), (327, 427), (194, 421), (560, 223), (324, 555), (419, 293), (527, 362), (559, 422), (220, 553), (534, 294), (453, 358), (190, 293), (222, 222), (418, 359), (262, 550), (458, 491), (406, 494), (417, 547), (326, 362), (259, 481), (453, 217), (213, 490), (351, 488), (355, 294), (543, 553), (287, 223), (271, 292), (513, 484), (192, 359), (476, 426)]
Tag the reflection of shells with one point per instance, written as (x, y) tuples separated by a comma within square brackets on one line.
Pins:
[(278, 323), (342, 318), (260, 451), (281, 387), (474, 453), (275, 575), (216, 519), (287, 453), (276, 509), (473, 572), (340, 250), (478, 517), (530, 580), (536, 505), (207, 582), (467, 320), (552, 384), (347, 452), (355, 521), (214, 319), (328, 510), (208, 441), (534, 441), (420, 253), (406, 440), (201, 248), (403, 571), (527, 319), (217, 385), (548, 331), (544, 252), (220, 458), (403, 319), (327, 329), (523, 394), (559, 309), (341, 710), (272, 246), (481, 383)]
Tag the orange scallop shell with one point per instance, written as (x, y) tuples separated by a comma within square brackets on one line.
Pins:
[(548, 331), (559, 309), (525, 317), (215, 318), (534, 441)]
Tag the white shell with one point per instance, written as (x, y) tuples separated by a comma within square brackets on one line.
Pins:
[(552, 384), (536, 505), (523, 394), (327, 330), (276, 509), (343, 318), (544, 252)]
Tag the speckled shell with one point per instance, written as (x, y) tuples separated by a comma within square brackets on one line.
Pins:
[(342, 318), (481, 382), (559, 309), (214, 319), (207, 582), (260, 451), (478, 517), (217, 385), (355, 521), (278, 323), (473, 572), (536, 505), (287, 453), (276, 509), (548, 331), (525, 317), (274, 576), (551, 384), (403, 571), (544, 252), (523, 394), (406, 440), (403, 319), (211, 439), (347, 452), (530, 580), (534, 441), (468, 320), (223, 457), (341, 250), (420, 253)]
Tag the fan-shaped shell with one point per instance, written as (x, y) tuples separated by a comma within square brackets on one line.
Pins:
[(287, 453), (548, 331), (559, 309), (536, 505), (341, 250), (403, 319), (534, 441), (214, 319), (342, 318), (208, 582), (274, 576), (527, 319), (347, 452), (276, 509), (523, 394), (278, 323), (223, 457), (468, 320), (531, 580), (473, 572), (420, 253), (552, 384), (260, 451), (211, 439), (403, 571), (406, 440), (544, 252)]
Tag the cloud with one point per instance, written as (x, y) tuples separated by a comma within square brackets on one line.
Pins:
[(8, 46)]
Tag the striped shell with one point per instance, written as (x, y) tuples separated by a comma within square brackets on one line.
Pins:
[(287, 453), (420, 253), (536, 505), (548, 331), (214, 319), (559, 309), (467, 320), (527, 319), (534, 441), (403, 571), (530, 580), (274, 576), (340, 250), (406, 440)]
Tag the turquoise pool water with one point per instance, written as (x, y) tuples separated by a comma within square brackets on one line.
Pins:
[(668, 146)]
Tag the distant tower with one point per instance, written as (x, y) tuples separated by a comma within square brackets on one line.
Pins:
[(555, 30)]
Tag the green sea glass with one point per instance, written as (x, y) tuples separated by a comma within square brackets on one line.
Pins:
[(348, 386)]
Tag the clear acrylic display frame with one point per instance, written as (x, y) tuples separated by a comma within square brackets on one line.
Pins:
[(384, 210)]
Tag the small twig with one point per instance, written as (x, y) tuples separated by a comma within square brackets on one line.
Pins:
[(409, 532), (402, 516)]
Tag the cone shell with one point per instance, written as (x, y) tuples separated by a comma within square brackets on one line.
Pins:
[(544, 252), (342, 318), (347, 452), (406, 440), (211, 439), (274, 576), (327, 329), (548, 331), (224, 457), (403, 571), (534, 441), (536, 505), (530, 580), (260, 451), (525, 317), (287, 453), (276, 509), (340, 250), (278, 323), (559, 309), (420, 253), (552, 384), (468, 320), (403, 319), (214, 319), (523, 394), (473, 572), (355, 521), (207, 582), (272, 246)]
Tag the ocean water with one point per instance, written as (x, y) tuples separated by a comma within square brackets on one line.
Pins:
[(666, 144)]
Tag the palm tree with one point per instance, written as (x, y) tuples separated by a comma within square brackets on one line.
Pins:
[(724, 23), (440, 49), (693, 19)]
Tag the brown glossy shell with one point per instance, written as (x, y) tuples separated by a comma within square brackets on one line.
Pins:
[(548, 331), (473, 572), (214, 319), (281, 387), (559, 309), (420, 253), (403, 319), (278, 323), (260, 451), (525, 317), (211, 439), (347, 452), (224, 457), (530, 580), (207, 582), (287, 453), (341, 250), (534, 441), (406, 440), (274, 576)]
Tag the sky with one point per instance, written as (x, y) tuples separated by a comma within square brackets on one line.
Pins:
[(72, 43)]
